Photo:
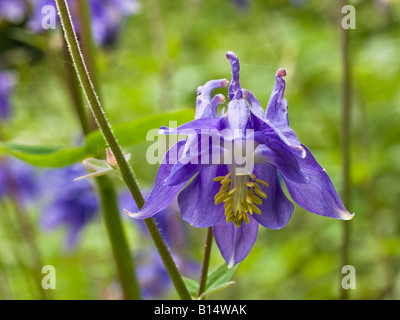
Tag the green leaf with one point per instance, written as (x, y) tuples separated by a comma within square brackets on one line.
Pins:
[(192, 286), (135, 131), (217, 288), (219, 279), (128, 133), (43, 156)]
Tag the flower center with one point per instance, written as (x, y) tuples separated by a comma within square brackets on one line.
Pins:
[(241, 195)]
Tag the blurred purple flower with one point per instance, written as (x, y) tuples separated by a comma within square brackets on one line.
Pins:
[(106, 17), (168, 221), (153, 278), (17, 179), (7, 83), (152, 275), (241, 4), (12, 10), (68, 203)]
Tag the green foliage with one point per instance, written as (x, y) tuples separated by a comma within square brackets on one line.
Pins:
[(217, 280), (128, 134)]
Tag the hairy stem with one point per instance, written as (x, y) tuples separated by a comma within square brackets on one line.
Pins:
[(109, 203), (126, 171)]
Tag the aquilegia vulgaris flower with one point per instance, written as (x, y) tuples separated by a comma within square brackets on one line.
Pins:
[(234, 190)]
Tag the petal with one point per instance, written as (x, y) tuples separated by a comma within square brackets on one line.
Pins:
[(204, 107), (277, 116), (196, 201), (201, 151), (233, 242), (319, 194), (234, 86), (162, 195), (237, 117), (277, 111), (195, 126), (277, 209), (282, 159), (255, 105), (265, 132)]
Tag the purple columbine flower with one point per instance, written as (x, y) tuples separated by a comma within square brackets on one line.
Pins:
[(12, 10), (68, 203), (235, 195), (106, 17), (7, 84)]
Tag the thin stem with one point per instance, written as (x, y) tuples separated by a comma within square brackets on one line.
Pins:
[(160, 52), (116, 234), (18, 249), (75, 93), (126, 171), (26, 231), (109, 204), (345, 143), (206, 261), (86, 40)]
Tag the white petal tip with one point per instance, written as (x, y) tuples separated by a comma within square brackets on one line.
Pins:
[(129, 213), (346, 215)]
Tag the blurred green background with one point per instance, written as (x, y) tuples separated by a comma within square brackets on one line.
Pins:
[(162, 54)]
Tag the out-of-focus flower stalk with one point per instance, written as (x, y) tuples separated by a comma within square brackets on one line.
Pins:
[(345, 140), (160, 52), (24, 232), (86, 41), (23, 225)]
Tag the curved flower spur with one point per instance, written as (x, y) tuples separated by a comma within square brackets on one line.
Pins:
[(234, 191)]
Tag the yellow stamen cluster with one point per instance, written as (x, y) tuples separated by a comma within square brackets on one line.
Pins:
[(241, 195)]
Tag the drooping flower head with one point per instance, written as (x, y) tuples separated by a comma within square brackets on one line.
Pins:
[(68, 203), (234, 160), (106, 17)]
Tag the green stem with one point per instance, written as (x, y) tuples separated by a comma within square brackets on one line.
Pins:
[(18, 249), (116, 234), (126, 171), (86, 40), (109, 204), (160, 52), (345, 143), (206, 262), (26, 231), (75, 93)]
